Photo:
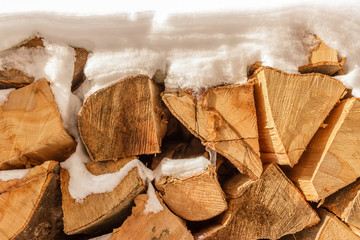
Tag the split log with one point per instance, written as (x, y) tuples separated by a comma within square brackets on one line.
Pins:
[(345, 203), (31, 207), (163, 225), (323, 59), (224, 118), (81, 55), (290, 109), (331, 160), (31, 129), (111, 209), (271, 207), (330, 228), (14, 78), (195, 198), (123, 119)]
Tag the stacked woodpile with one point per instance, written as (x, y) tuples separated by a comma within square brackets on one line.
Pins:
[(283, 153)]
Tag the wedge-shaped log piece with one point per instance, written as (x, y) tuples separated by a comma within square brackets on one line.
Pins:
[(31, 206), (12, 77), (224, 118), (332, 159), (31, 129), (123, 119), (99, 213), (290, 109), (163, 225), (270, 208), (345, 203), (330, 228), (81, 55), (323, 59), (195, 198)]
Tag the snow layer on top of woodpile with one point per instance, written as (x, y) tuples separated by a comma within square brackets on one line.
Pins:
[(4, 93)]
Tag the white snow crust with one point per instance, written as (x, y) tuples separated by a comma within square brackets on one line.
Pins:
[(4, 94), (8, 175), (178, 168)]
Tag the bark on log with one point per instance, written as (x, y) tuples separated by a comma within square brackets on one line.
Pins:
[(99, 213), (345, 203), (31, 129), (330, 228), (163, 225), (332, 159), (195, 198), (323, 59), (290, 109), (31, 207), (270, 208), (124, 119), (224, 118), (81, 55)]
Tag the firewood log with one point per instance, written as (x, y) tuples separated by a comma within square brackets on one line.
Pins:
[(195, 198), (345, 203), (331, 160), (323, 59), (31, 129), (81, 55), (271, 207), (330, 228), (224, 118), (31, 206), (290, 109), (14, 78), (123, 119), (163, 225), (99, 213)]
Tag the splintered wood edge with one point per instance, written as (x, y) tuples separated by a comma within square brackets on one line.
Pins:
[(132, 77)]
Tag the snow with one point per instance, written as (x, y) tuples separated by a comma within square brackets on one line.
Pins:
[(199, 45), (4, 94), (178, 168), (82, 183), (8, 175)]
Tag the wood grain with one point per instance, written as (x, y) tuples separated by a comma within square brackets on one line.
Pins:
[(123, 119), (98, 213), (290, 109), (224, 118), (31, 129)]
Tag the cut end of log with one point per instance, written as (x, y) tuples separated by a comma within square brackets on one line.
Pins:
[(31, 129), (195, 198), (331, 160), (97, 213), (254, 216), (224, 118), (323, 59), (127, 116), (31, 207), (290, 109), (163, 225), (330, 228)]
